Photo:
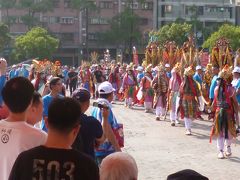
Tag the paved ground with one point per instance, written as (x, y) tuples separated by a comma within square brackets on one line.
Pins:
[(160, 149)]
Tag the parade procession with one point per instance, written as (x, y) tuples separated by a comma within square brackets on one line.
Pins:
[(119, 90), (172, 82)]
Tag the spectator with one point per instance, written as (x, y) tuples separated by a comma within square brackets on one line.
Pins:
[(118, 166), (35, 111), (186, 174), (16, 134), (91, 130), (73, 79), (105, 91), (55, 86), (98, 78), (56, 159)]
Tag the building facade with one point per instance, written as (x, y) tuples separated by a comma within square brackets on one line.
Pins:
[(209, 12), (78, 30), (238, 12)]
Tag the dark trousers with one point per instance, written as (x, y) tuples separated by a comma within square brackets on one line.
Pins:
[(72, 86)]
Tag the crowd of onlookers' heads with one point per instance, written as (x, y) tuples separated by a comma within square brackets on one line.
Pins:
[(30, 153)]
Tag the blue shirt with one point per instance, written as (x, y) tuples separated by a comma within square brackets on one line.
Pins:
[(197, 78), (2, 83), (140, 76), (46, 102), (65, 74), (12, 74), (236, 85), (168, 74), (105, 148), (212, 87)]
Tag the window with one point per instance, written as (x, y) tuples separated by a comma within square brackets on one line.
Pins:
[(98, 21), (196, 10), (67, 20), (168, 9), (93, 36), (69, 37), (66, 3), (147, 5), (200, 10), (133, 5), (54, 19), (44, 19), (106, 5)]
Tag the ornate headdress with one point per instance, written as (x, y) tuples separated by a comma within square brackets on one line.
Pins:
[(160, 68), (225, 73), (176, 68), (189, 71), (222, 42), (129, 67), (149, 68), (209, 67)]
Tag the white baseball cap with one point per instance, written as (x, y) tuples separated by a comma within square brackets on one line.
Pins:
[(140, 68), (167, 65), (236, 70), (105, 88), (198, 67)]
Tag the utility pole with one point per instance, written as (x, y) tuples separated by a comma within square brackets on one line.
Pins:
[(87, 34), (131, 33)]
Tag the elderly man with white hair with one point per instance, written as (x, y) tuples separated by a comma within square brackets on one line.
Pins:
[(119, 166)]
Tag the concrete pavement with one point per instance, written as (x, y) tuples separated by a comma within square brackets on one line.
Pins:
[(160, 149)]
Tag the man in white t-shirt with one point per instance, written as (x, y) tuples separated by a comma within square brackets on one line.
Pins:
[(15, 134)]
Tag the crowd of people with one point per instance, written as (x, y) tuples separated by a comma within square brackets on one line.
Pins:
[(45, 134)]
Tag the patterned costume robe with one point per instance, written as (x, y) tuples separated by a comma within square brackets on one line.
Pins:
[(128, 85), (224, 114), (147, 90), (224, 121), (174, 85), (189, 92), (160, 86)]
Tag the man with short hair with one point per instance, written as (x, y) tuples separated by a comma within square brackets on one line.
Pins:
[(55, 86), (56, 159), (91, 130), (35, 111), (16, 134), (198, 75), (111, 145), (120, 166)]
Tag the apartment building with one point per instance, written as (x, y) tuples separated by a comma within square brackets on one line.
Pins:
[(209, 12), (238, 12), (78, 31)]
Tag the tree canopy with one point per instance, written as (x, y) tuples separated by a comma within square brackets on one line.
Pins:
[(5, 37), (177, 32), (34, 7), (232, 33), (35, 43), (120, 31)]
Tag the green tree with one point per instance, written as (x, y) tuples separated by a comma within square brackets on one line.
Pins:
[(120, 31), (34, 7), (6, 5), (5, 37), (228, 31), (35, 43), (172, 32)]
